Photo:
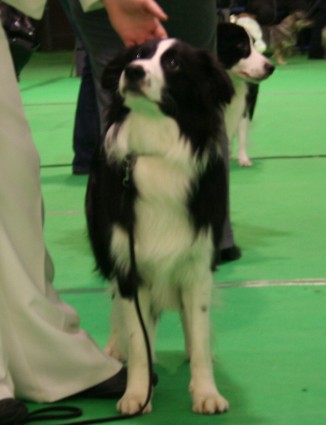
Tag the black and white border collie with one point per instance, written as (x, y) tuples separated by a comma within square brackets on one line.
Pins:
[(160, 173), (247, 68)]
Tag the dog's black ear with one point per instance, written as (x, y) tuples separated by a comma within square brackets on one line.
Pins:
[(114, 68), (218, 83), (233, 44)]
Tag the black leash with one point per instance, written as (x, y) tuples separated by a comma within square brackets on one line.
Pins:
[(70, 412), (52, 413)]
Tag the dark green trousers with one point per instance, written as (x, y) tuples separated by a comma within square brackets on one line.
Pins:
[(193, 21)]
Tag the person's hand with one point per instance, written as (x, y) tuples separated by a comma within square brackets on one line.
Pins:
[(136, 21)]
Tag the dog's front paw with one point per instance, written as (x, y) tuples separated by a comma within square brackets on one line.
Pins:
[(244, 161), (132, 402), (209, 403)]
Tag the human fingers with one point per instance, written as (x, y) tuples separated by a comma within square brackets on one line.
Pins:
[(155, 10), (160, 32)]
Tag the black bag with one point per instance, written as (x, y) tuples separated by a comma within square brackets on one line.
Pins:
[(21, 35)]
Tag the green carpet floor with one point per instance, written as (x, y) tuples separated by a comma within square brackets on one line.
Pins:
[(269, 313)]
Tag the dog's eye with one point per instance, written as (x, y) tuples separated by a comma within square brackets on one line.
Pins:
[(244, 48), (140, 54), (171, 64)]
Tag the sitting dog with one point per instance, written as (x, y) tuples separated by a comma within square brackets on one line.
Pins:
[(247, 68), (158, 186)]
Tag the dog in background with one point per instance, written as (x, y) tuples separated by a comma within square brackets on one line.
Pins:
[(160, 178), (282, 38), (247, 68)]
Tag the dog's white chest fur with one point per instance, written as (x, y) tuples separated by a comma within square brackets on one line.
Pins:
[(165, 241), (236, 109)]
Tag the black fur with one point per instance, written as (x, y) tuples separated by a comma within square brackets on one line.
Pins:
[(233, 44), (196, 88), (188, 97)]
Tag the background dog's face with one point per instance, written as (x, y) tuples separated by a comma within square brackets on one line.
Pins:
[(170, 74), (238, 54)]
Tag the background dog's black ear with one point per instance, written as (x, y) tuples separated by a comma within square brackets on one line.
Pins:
[(219, 84)]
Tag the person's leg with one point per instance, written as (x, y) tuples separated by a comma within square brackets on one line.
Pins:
[(316, 49), (295, 5), (264, 11), (6, 384), (102, 44), (11, 410), (49, 356), (86, 135)]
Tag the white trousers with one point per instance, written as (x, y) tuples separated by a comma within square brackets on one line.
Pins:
[(44, 355)]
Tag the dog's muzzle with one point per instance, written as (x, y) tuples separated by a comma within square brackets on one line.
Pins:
[(134, 76), (269, 69)]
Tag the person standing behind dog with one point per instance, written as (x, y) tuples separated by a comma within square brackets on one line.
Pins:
[(129, 22)]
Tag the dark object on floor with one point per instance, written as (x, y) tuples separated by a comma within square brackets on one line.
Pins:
[(111, 388), (12, 411), (230, 254)]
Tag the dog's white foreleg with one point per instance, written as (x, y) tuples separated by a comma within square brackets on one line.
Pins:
[(117, 344), (243, 132), (138, 378), (205, 395), (186, 333)]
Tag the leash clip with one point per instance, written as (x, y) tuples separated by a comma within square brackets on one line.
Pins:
[(128, 164)]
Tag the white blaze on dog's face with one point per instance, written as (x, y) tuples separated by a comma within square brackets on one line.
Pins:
[(143, 79), (237, 52)]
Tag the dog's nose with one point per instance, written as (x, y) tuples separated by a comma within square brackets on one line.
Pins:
[(269, 68), (134, 73)]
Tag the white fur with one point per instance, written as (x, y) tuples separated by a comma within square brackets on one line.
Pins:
[(253, 28), (165, 247), (237, 125)]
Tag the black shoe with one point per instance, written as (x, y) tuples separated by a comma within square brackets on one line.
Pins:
[(12, 412), (226, 255), (230, 254), (111, 388)]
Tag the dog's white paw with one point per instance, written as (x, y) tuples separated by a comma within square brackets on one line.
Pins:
[(244, 161), (132, 402), (209, 403)]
